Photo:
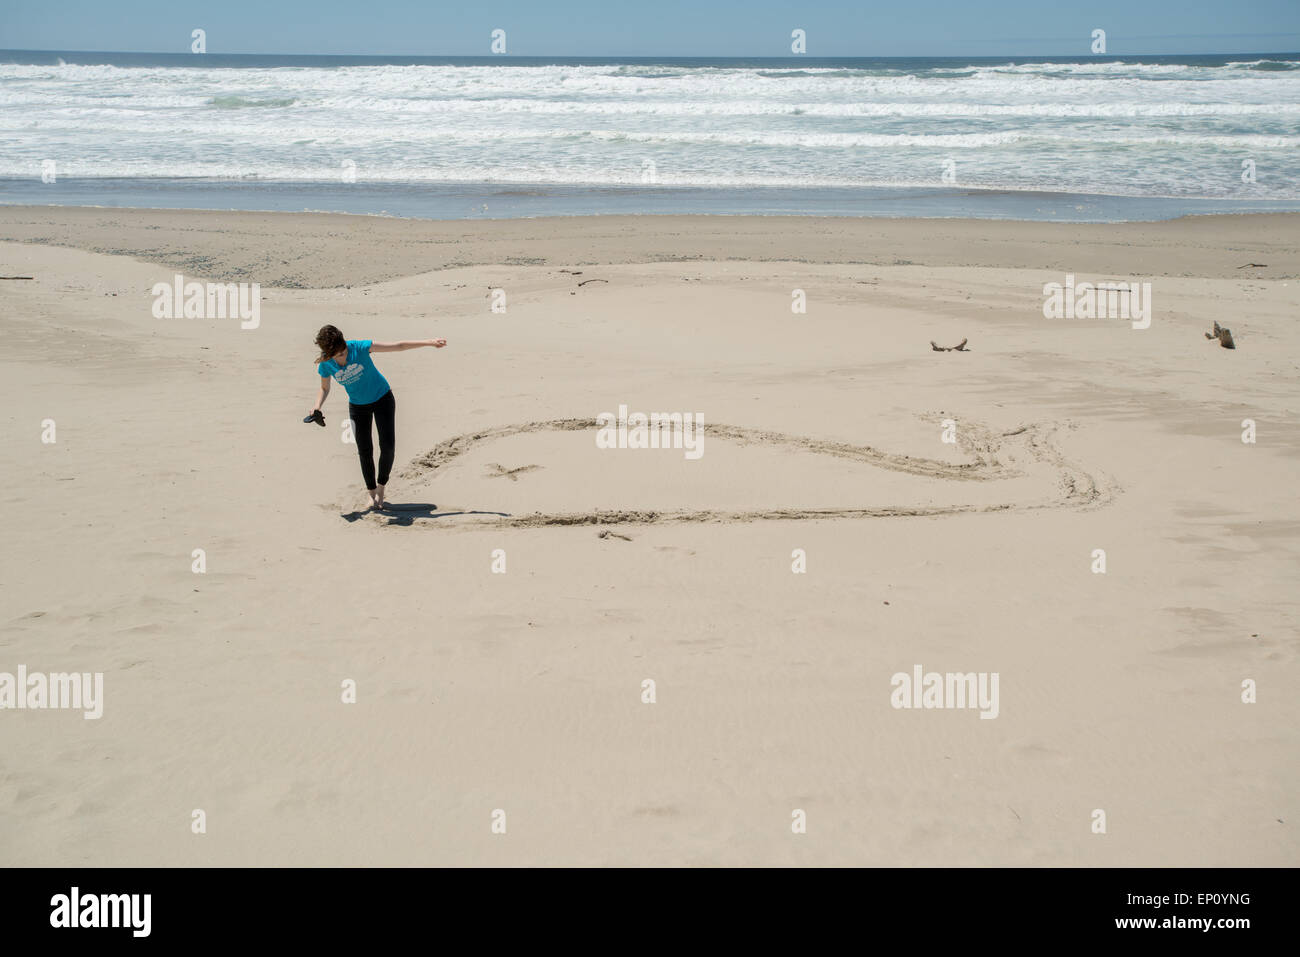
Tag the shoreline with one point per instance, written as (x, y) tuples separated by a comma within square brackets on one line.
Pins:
[(564, 216), (473, 201)]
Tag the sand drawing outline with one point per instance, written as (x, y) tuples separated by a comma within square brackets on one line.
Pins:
[(990, 454)]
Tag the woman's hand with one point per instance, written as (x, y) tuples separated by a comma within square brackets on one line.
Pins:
[(405, 344)]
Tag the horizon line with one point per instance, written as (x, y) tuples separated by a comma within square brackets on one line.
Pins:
[(654, 56)]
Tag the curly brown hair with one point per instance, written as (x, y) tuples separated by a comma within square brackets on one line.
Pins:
[(330, 342)]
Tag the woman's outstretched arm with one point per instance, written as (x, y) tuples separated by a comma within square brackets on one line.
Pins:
[(405, 344)]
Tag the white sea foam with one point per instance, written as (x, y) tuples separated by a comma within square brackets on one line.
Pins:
[(1133, 129)]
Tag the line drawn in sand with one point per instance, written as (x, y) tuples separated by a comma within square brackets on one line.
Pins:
[(500, 471), (992, 455)]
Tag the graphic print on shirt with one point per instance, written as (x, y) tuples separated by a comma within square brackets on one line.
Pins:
[(350, 374)]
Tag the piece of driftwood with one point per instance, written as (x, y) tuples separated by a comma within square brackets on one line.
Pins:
[(959, 347), (1258, 265), (1223, 335), (585, 281), (17, 277)]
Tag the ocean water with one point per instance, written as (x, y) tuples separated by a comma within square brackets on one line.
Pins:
[(1050, 138)]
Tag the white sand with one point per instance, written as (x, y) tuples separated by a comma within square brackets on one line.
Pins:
[(522, 691)]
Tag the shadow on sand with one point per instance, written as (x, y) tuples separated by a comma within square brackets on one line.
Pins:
[(405, 513)]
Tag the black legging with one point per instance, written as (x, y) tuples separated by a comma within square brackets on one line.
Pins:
[(382, 411)]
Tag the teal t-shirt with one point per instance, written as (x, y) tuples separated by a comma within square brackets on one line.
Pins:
[(365, 383)]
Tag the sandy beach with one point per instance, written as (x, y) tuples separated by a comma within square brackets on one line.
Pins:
[(523, 691)]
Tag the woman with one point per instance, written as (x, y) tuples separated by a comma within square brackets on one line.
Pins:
[(369, 397)]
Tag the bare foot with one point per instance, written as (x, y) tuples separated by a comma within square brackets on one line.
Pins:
[(379, 497), (375, 501)]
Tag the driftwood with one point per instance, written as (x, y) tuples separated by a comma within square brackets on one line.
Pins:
[(17, 277), (585, 281), (959, 347), (1223, 335), (1248, 265)]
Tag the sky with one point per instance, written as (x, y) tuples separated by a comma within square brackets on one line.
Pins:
[(834, 28)]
